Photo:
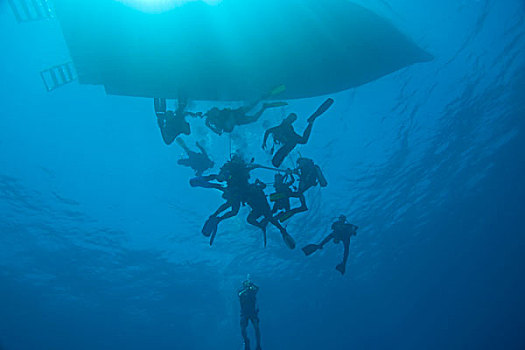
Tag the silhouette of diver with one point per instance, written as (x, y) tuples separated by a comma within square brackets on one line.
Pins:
[(199, 162), (342, 231), (256, 199), (225, 120), (236, 173), (249, 312), (309, 175), (171, 124), (283, 192), (284, 134)]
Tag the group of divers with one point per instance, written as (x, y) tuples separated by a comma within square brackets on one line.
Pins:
[(233, 180)]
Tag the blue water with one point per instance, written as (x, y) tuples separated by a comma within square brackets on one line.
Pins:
[(100, 244)]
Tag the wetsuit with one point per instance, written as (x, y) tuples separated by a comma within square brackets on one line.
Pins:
[(249, 312)]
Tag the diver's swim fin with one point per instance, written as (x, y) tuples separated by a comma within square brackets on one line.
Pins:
[(341, 268), (290, 242), (310, 249), (213, 234), (274, 197), (285, 216), (210, 226), (277, 90), (322, 108), (275, 104)]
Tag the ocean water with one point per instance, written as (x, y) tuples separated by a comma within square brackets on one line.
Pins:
[(100, 243)]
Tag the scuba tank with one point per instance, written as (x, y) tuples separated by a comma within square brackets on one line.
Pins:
[(320, 177)]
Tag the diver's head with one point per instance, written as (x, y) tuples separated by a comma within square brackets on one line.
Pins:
[(223, 176), (247, 284), (303, 161), (292, 117), (342, 218), (182, 103), (237, 157)]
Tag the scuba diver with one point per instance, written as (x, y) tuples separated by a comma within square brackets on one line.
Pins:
[(249, 312), (342, 231), (199, 162), (236, 173), (283, 192), (225, 120), (171, 123), (310, 175), (256, 199), (285, 135)]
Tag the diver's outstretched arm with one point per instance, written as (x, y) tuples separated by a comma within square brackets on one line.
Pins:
[(194, 114), (259, 166)]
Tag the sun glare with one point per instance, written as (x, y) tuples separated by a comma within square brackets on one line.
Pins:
[(157, 6)]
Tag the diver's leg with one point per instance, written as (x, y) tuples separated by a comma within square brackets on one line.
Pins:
[(286, 204), (252, 219), (159, 105), (342, 266), (255, 322), (303, 206), (304, 186), (167, 137), (276, 223), (236, 206), (289, 213), (222, 208), (244, 324), (276, 207), (279, 156), (306, 134)]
